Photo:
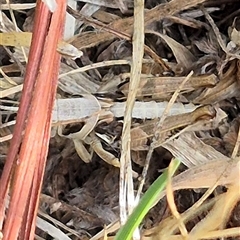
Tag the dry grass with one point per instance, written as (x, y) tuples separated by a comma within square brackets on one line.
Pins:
[(178, 58)]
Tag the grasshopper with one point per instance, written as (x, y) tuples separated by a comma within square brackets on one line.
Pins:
[(92, 111)]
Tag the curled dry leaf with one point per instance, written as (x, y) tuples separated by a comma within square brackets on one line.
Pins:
[(183, 56), (221, 171), (234, 32), (191, 150), (226, 88)]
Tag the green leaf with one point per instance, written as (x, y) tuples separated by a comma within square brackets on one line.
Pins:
[(145, 204)]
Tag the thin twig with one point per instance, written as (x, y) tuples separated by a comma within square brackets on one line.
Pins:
[(237, 144), (126, 182), (95, 65), (172, 205), (16, 27), (155, 138)]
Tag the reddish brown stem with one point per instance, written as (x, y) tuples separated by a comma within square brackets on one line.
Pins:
[(28, 174), (36, 50)]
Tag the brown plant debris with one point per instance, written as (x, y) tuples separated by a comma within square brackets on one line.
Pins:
[(112, 66)]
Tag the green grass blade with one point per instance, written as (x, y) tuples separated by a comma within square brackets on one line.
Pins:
[(145, 204)]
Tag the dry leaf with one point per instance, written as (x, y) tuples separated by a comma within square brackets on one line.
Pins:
[(191, 150), (183, 56)]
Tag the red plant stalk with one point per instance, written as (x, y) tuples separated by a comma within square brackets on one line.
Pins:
[(29, 170), (39, 171), (36, 50)]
